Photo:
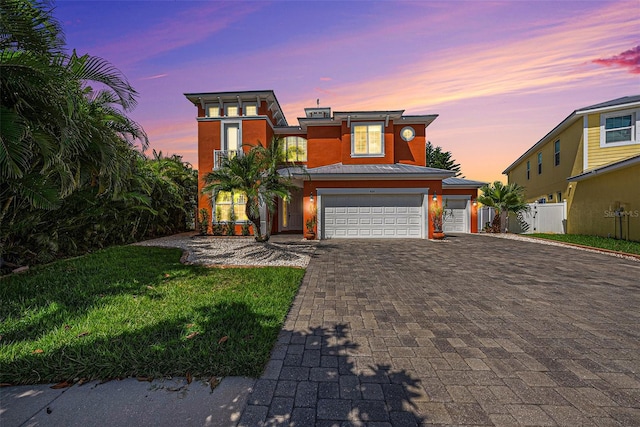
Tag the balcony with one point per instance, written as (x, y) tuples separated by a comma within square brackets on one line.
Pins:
[(220, 155)]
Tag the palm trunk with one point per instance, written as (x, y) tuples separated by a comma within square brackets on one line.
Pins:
[(255, 220)]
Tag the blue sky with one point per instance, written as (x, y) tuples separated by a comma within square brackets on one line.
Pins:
[(500, 74)]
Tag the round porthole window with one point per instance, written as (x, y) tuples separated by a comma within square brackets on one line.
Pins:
[(407, 133)]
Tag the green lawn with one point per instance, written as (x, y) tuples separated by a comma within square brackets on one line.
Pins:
[(594, 241), (136, 311)]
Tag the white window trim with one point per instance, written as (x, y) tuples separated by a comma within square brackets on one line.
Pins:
[(231, 104), (249, 104), (635, 125), (210, 105), (223, 133), (286, 147), (353, 125), (232, 205)]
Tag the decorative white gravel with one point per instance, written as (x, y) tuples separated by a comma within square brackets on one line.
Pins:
[(556, 243), (287, 251)]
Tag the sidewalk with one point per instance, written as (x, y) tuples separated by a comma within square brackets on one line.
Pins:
[(126, 403)]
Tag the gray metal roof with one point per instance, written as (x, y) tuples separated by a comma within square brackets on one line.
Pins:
[(397, 170), (631, 161), (461, 182), (612, 103)]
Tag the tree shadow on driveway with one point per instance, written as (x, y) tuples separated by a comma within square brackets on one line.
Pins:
[(313, 379)]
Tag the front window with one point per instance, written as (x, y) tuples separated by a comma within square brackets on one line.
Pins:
[(539, 163), (556, 152), (250, 109), (231, 110), (367, 139), (618, 128), (295, 149), (212, 110), (528, 169), (231, 137), (230, 207)]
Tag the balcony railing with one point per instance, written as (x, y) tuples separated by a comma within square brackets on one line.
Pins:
[(220, 155)]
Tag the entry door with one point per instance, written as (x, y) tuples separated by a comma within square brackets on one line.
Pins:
[(291, 212)]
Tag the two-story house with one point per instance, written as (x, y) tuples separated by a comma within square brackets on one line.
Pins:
[(362, 173), (591, 160)]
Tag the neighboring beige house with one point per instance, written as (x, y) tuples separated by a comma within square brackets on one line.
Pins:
[(591, 160)]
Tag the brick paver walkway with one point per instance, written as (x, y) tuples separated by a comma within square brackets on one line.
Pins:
[(473, 331)]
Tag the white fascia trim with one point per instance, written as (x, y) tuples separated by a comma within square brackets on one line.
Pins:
[(585, 144), (605, 169), (237, 118)]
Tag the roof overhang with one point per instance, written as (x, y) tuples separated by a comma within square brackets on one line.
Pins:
[(239, 97), (390, 172), (363, 116), (631, 161), (571, 119), (461, 183)]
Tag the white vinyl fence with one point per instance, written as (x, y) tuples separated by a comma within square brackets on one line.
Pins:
[(541, 218), (485, 216)]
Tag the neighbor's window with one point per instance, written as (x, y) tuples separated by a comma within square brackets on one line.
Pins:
[(231, 110), (228, 202), (618, 128), (250, 109), (559, 196), (367, 139), (295, 149), (528, 169), (539, 163), (556, 152), (212, 110)]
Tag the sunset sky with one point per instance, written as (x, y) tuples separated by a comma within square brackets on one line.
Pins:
[(500, 74)]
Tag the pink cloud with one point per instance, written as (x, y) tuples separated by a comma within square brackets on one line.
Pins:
[(325, 79), (628, 59)]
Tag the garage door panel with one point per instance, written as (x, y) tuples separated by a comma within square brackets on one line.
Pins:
[(459, 219), (372, 215)]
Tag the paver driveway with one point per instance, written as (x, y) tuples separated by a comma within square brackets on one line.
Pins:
[(473, 331)]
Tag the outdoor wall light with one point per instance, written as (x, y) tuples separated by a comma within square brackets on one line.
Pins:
[(435, 196), (311, 197), (475, 202)]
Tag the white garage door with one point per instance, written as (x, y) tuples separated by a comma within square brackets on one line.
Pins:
[(372, 216), (458, 221)]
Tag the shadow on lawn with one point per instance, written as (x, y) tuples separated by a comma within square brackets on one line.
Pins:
[(224, 339), (321, 377)]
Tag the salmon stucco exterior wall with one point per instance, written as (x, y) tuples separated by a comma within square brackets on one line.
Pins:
[(390, 154)]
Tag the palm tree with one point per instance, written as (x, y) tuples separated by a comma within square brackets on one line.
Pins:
[(256, 175), (505, 199), (56, 133)]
